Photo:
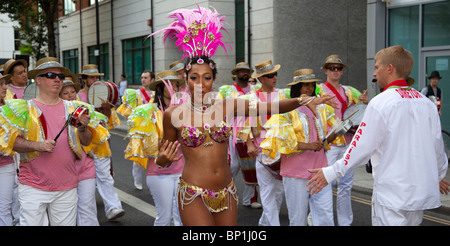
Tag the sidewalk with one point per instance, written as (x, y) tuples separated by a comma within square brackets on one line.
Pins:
[(362, 181)]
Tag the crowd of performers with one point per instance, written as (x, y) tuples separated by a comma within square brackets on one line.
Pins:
[(190, 143)]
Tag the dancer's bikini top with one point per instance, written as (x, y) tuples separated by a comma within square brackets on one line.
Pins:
[(193, 137)]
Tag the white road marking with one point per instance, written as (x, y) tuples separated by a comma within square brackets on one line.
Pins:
[(137, 203)]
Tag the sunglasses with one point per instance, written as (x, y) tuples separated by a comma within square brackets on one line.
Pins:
[(335, 68), (53, 75), (271, 76)]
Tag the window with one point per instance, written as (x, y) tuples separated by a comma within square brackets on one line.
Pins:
[(136, 58), (69, 6), (240, 30), (403, 30), (70, 60), (103, 66), (436, 28), (92, 2)]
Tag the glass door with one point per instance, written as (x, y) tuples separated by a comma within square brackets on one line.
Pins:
[(439, 61)]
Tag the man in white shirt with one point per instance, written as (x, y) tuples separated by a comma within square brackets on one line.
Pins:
[(408, 164)]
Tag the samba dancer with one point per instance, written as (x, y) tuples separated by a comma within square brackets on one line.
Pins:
[(239, 158), (145, 133), (48, 177), (408, 165), (299, 137), (206, 192), (103, 164), (345, 97), (269, 180)]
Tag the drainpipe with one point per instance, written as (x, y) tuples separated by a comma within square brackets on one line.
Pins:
[(249, 34), (112, 41), (81, 36), (152, 39)]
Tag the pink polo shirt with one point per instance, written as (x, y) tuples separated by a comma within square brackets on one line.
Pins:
[(54, 171), (297, 166)]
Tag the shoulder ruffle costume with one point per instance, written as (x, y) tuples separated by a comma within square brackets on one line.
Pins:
[(285, 131), (130, 100), (145, 132), (22, 118)]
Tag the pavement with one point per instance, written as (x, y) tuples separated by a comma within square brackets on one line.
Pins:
[(362, 180)]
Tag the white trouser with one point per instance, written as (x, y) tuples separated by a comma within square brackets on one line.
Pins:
[(105, 184), (249, 189), (138, 173), (298, 198), (344, 188), (37, 204), (163, 189), (87, 206), (384, 216), (7, 180), (271, 193)]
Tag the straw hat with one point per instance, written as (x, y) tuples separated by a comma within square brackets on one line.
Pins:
[(176, 66), (11, 62), (166, 75), (7, 78), (2, 68), (305, 75), (241, 65), (45, 63), (91, 70), (333, 59), (72, 80), (265, 67)]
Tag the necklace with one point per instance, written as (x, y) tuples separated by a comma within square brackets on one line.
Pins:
[(199, 108)]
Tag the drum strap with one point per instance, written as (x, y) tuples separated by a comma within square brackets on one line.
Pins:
[(44, 124), (144, 93), (263, 99), (239, 89), (338, 96)]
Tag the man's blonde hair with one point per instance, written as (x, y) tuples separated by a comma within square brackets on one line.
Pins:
[(399, 57)]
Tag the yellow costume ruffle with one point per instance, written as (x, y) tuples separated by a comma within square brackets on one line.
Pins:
[(144, 132), (353, 98), (20, 118), (285, 131)]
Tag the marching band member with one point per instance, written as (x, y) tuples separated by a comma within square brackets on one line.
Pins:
[(145, 133), (19, 78), (408, 165), (345, 96), (7, 170), (103, 163), (239, 158), (299, 136), (48, 176), (269, 180), (86, 206)]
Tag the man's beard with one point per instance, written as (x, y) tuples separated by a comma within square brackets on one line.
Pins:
[(244, 78)]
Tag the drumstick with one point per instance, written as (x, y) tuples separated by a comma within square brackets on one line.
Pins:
[(351, 115), (106, 101), (64, 127)]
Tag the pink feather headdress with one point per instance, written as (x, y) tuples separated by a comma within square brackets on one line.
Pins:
[(196, 31)]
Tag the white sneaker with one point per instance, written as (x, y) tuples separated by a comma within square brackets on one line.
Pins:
[(256, 205), (138, 185), (115, 213)]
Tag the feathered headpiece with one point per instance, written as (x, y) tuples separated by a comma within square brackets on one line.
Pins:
[(196, 31)]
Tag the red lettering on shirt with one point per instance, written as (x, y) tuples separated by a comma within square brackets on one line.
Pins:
[(356, 139)]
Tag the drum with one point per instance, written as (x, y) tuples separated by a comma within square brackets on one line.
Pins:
[(356, 113), (247, 163), (273, 165), (31, 91), (75, 117), (103, 90)]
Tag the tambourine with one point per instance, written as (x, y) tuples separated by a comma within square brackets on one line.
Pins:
[(106, 91), (31, 91), (74, 118)]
